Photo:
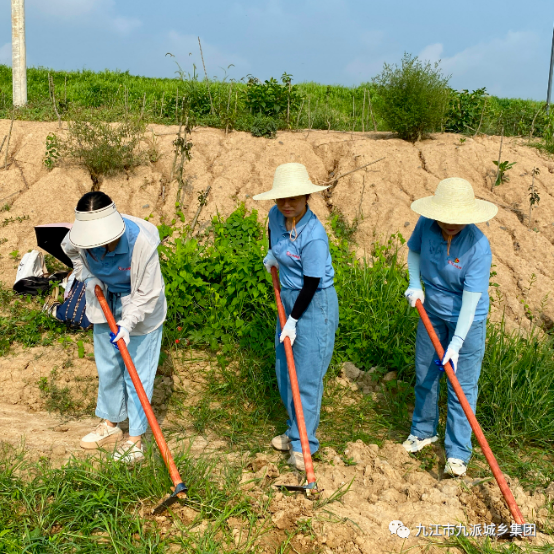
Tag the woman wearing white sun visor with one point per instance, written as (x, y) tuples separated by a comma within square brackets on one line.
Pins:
[(120, 254)]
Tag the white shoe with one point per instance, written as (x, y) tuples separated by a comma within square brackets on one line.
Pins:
[(281, 442), (413, 444), (129, 453), (455, 467), (102, 436), (296, 460)]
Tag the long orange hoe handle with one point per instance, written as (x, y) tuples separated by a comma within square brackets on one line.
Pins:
[(162, 445), (310, 474), (507, 493)]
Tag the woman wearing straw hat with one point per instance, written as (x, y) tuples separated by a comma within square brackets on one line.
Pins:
[(120, 254), (453, 258), (299, 247)]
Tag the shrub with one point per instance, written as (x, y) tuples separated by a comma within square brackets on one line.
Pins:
[(412, 98), (263, 126), (465, 110), (271, 98), (102, 147)]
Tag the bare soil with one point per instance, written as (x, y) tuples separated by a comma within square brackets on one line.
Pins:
[(383, 483)]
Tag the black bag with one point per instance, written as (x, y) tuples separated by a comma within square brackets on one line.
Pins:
[(38, 285)]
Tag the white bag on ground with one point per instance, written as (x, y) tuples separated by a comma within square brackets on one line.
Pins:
[(31, 265)]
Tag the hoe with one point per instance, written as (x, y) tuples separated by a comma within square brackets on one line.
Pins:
[(180, 488), (506, 492), (311, 487)]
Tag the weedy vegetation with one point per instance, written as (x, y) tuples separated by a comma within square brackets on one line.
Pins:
[(237, 104)]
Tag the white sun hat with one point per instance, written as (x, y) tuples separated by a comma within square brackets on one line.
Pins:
[(290, 180), (454, 202), (97, 227)]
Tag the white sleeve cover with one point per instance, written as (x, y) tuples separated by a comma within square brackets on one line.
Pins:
[(413, 270), (467, 313)]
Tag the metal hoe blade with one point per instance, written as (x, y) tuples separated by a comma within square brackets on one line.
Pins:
[(179, 492), (309, 489)]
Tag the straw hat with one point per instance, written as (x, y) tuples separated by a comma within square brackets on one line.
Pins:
[(454, 202), (290, 180), (97, 227)]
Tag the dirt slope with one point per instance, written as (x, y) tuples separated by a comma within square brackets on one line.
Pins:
[(238, 166)]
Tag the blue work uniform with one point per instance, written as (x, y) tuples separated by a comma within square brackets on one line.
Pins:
[(446, 276), (114, 268), (307, 255)]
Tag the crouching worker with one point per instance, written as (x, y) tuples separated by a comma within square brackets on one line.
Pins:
[(453, 257), (119, 253), (299, 248)]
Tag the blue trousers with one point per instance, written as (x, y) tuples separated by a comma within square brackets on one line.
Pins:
[(117, 398), (457, 441), (312, 349)]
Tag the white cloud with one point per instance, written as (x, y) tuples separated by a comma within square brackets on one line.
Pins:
[(507, 66), (101, 12), (431, 53), (125, 25), (186, 51), (6, 54)]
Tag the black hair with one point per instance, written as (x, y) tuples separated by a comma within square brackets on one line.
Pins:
[(93, 201)]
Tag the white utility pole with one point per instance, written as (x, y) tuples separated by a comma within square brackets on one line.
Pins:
[(19, 61)]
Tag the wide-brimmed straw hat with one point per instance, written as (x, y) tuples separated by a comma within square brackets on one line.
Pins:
[(96, 228), (454, 202), (290, 180)]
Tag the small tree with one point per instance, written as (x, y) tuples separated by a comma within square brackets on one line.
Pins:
[(412, 99)]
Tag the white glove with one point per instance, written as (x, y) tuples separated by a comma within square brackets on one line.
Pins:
[(413, 295), (289, 330), (91, 283), (270, 261), (122, 333), (453, 352)]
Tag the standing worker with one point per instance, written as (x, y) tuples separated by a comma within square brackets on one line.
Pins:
[(120, 254), (453, 257), (299, 248)]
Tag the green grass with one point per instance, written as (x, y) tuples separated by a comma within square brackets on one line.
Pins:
[(94, 505), (23, 322), (114, 95)]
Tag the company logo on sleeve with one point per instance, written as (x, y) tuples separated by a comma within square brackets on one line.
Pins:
[(291, 255), (124, 268)]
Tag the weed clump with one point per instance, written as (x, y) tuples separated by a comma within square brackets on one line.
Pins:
[(103, 148), (263, 126), (412, 98)]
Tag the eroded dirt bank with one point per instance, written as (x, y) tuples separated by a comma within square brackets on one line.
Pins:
[(237, 166)]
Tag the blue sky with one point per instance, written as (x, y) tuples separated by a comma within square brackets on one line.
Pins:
[(502, 45)]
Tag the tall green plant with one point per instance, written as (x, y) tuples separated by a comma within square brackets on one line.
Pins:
[(412, 98)]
